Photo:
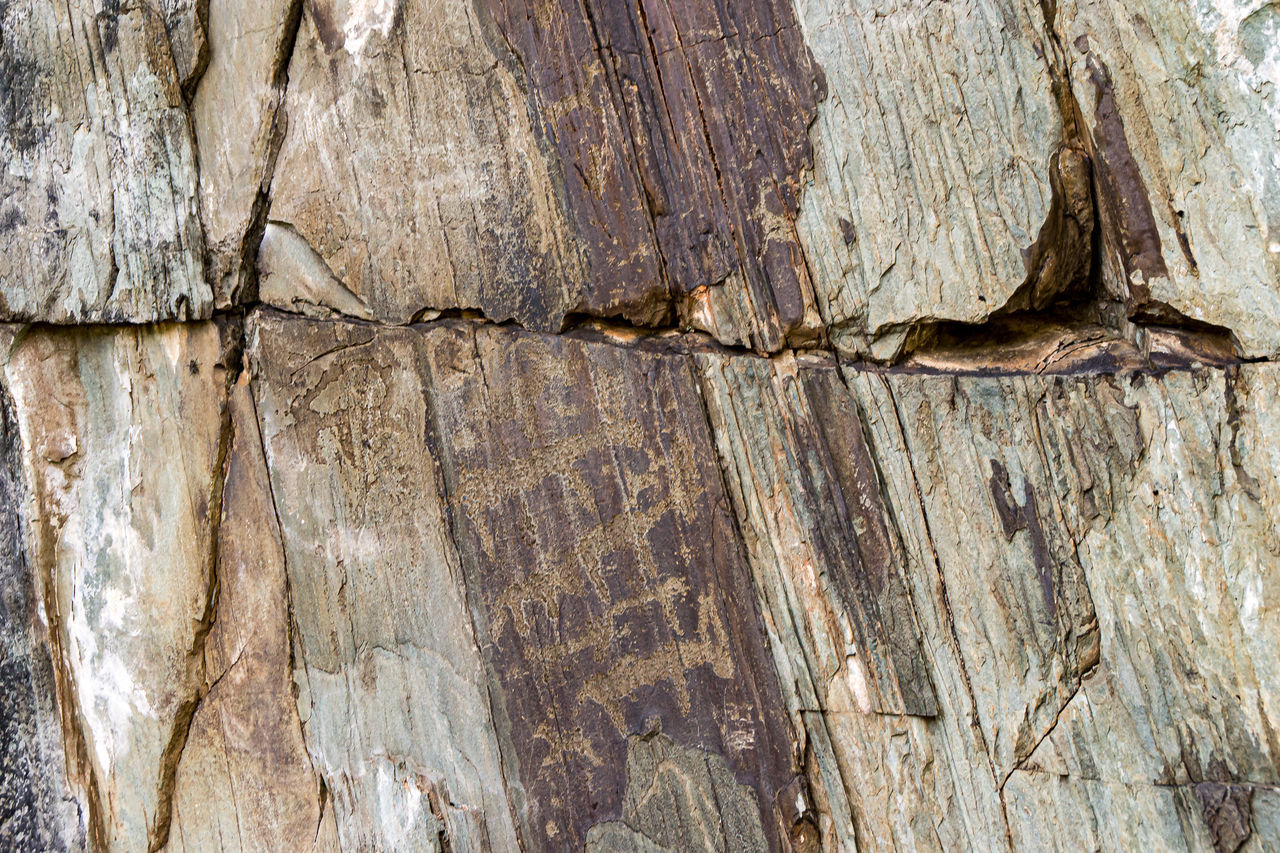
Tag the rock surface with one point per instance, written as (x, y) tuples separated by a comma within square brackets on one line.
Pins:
[(100, 214), (392, 690), (1182, 102), (239, 127), (681, 128), (122, 452), (414, 169), (36, 810), (436, 425), (245, 781), (933, 157)]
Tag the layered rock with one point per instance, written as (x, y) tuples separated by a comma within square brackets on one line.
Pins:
[(414, 169), (1182, 109), (936, 152), (639, 426), (245, 781), (568, 601), (37, 808), (239, 126), (122, 461), (100, 212), (946, 582), (392, 690), (682, 133)]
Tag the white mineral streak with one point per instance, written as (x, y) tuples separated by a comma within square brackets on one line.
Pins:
[(365, 17), (121, 433)]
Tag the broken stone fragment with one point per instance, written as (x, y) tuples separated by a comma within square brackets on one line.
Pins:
[(245, 781), (239, 126), (933, 151), (292, 276)]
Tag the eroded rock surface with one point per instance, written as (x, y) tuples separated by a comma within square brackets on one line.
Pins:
[(414, 168), (122, 456), (99, 208), (624, 603), (1182, 103), (624, 606), (933, 157), (392, 690), (246, 780), (36, 809), (682, 129), (239, 127), (643, 426)]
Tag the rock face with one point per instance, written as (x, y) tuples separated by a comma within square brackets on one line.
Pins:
[(100, 187), (637, 426), (414, 168), (1181, 104), (934, 154)]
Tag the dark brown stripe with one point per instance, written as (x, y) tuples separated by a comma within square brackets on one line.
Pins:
[(683, 131), (599, 547)]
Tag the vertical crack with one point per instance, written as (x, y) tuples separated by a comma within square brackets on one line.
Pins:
[(246, 287), (232, 341)]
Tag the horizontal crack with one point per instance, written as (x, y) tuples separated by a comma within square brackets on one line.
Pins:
[(1162, 350), (1169, 786)]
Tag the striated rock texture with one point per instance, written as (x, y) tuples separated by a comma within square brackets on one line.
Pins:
[(100, 208), (639, 426), (1181, 106), (935, 150)]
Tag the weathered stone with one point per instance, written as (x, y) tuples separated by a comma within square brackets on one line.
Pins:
[(729, 582), (186, 22), (990, 513), (826, 556), (245, 782), (1265, 816), (121, 440), (291, 275), (1033, 344), (611, 591), (1078, 733), (682, 128), (392, 691), (679, 799), (1182, 105), (413, 166), (239, 128), (807, 488), (935, 154), (99, 220), (1183, 575), (633, 615), (37, 810)]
